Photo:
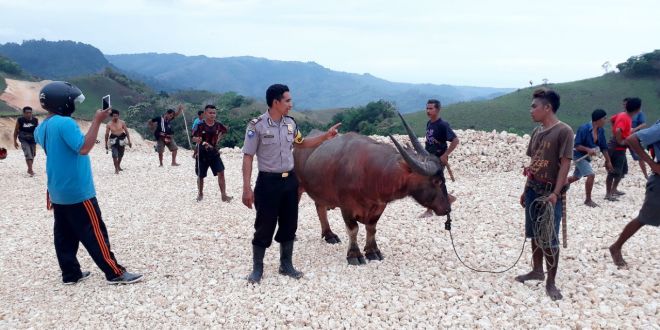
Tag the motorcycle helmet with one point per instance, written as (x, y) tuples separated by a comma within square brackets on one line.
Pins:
[(60, 97)]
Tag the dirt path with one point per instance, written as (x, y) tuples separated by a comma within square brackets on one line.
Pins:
[(19, 94)]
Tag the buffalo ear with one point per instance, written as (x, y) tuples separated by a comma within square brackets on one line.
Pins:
[(436, 180)]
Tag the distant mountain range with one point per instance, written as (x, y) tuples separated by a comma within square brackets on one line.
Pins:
[(313, 86), (55, 59)]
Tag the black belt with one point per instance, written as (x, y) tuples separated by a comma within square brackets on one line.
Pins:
[(276, 175)]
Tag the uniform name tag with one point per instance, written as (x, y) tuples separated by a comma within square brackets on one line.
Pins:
[(269, 136)]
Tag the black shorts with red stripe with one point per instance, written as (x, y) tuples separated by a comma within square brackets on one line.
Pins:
[(82, 223)]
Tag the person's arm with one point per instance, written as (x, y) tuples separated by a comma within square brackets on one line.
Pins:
[(636, 146), (618, 137), (248, 194), (564, 167), (16, 128), (93, 132), (179, 110), (317, 140), (608, 161), (107, 134), (444, 158), (128, 135), (583, 149), (640, 126)]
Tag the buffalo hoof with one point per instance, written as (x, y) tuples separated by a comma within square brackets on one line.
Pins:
[(332, 239), (376, 255), (355, 261)]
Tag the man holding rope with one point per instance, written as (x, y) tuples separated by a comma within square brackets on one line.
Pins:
[(551, 151), (163, 134), (649, 214), (438, 133), (589, 139)]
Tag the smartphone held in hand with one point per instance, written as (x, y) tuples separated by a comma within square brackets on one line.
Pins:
[(106, 102)]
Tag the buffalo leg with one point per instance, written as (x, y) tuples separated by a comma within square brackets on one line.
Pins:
[(326, 232), (354, 256), (371, 248)]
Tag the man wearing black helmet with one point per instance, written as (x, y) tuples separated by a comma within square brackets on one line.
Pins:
[(71, 192)]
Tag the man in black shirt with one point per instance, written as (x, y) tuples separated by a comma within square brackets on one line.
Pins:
[(163, 134), (438, 133), (207, 134), (24, 131)]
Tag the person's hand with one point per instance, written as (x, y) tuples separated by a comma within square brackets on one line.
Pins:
[(180, 107), (102, 115), (522, 199), (130, 145), (444, 159), (15, 144), (593, 152), (655, 167), (196, 139), (248, 197), (553, 198), (333, 131), (608, 166)]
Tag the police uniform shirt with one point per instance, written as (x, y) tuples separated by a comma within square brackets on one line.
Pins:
[(272, 142)]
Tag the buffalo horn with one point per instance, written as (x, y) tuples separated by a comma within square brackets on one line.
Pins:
[(427, 168), (413, 139)]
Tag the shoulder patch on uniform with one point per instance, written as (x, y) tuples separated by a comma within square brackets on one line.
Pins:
[(252, 124)]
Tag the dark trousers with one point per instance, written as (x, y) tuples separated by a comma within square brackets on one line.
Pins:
[(276, 201), (82, 223)]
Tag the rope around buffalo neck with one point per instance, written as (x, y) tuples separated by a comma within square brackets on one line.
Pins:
[(544, 231)]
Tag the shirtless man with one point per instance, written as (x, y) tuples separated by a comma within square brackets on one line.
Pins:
[(116, 133)]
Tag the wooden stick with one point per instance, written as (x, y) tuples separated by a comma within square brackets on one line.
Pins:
[(451, 174)]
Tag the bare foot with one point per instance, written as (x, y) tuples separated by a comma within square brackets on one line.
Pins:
[(227, 199), (116, 171), (31, 172), (121, 169), (618, 193), (590, 203), (611, 198), (617, 257), (200, 197), (161, 165), (426, 214), (553, 292), (175, 164), (531, 276)]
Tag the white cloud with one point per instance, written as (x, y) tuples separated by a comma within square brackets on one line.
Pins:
[(499, 43)]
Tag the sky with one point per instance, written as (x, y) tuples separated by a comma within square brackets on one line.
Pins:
[(503, 43)]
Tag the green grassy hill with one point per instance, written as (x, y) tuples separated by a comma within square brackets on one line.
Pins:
[(94, 87), (578, 99)]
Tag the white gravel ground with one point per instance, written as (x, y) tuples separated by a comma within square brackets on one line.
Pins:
[(195, 255)]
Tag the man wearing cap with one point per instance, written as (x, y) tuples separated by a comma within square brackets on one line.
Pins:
[(24, 132), (589, 139), (649, 214), (271, 137)]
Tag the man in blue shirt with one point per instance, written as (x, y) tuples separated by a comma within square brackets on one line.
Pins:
[(589, 139), (649, 214), (71, 186)]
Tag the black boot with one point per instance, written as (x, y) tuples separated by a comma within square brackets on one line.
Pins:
[(258, 253), (286, 264)]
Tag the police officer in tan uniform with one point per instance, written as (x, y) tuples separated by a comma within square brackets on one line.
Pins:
[(271, 138)]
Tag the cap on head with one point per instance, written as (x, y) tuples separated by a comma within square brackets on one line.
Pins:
[(60, 97), (598, 114)]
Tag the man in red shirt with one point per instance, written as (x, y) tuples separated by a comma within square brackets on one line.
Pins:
[(621, 129), (207, 134)]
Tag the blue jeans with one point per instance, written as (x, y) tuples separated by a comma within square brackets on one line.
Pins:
[(531, 214)]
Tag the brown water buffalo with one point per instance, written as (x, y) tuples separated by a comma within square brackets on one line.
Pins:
[(360, 176)]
